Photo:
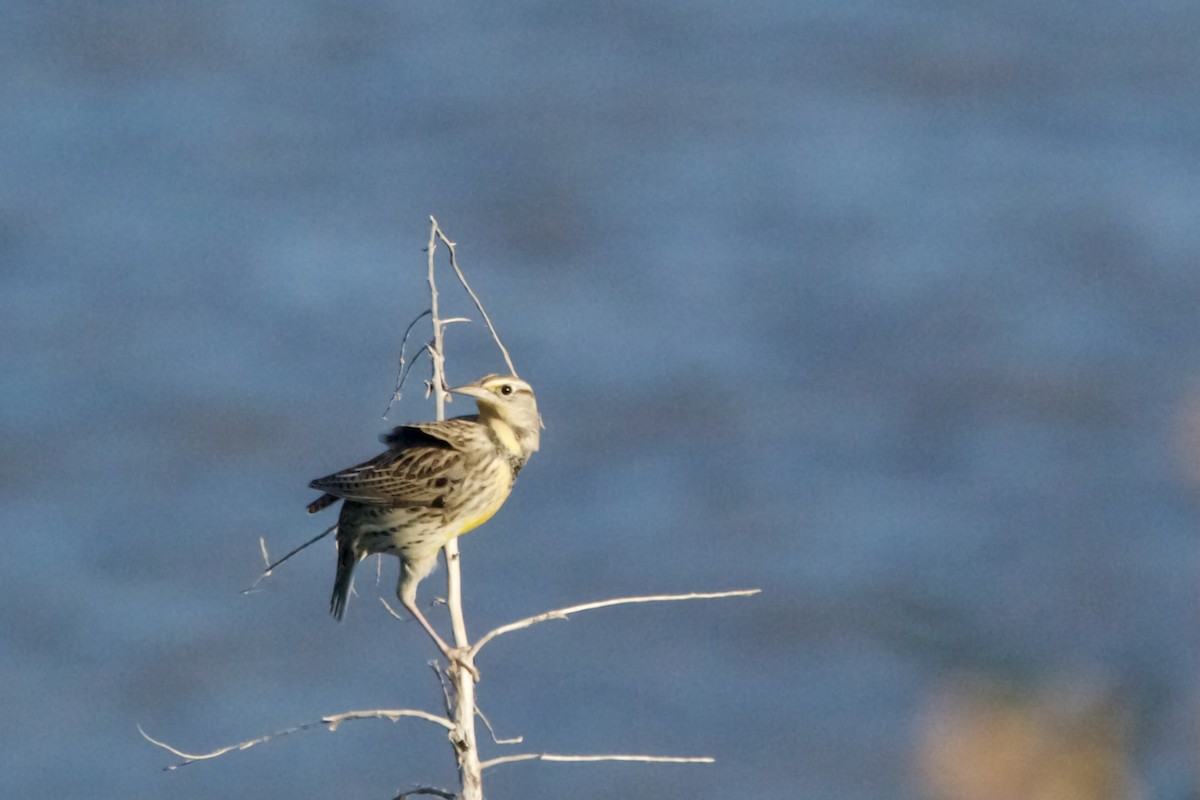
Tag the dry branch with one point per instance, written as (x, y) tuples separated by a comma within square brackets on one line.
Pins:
[(463, 280), (332, 721), (462, 672), (269, 569), (429, 790), (563, 613), (496, 739), (405, 365), (494, 762)]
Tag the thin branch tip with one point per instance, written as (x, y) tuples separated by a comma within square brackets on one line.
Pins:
[(558, 757), (330, 721), (563, 613), (270, 568)]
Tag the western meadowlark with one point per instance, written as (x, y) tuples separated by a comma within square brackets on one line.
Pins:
[(436, 481)]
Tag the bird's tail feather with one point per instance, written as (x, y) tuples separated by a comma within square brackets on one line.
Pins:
[(347, 559), (324, 501)]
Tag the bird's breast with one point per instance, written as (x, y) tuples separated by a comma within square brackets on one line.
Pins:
[(485, 499)]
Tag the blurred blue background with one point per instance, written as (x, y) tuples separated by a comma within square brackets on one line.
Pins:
[(891, 310)]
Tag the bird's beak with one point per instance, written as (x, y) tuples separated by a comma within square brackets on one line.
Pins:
[(471, 390)]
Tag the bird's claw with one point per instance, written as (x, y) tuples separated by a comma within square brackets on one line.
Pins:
[(462, 657)]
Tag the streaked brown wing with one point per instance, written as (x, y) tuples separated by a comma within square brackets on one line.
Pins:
[(448, 431), (420, 470)]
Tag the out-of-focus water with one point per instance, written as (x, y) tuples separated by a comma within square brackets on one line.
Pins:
[(891, 310)]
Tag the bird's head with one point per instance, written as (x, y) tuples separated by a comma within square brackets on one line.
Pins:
[(508, 400)]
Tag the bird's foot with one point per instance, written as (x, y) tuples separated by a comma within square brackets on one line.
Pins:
[(463, 658), (457, 656)]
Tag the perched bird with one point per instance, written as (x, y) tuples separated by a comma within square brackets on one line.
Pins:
[(436, 481)]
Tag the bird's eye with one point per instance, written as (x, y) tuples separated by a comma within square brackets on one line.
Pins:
[(506, 389)]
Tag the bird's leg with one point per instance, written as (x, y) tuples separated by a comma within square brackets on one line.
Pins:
[(406, 592), (455, 655), (433, 634)]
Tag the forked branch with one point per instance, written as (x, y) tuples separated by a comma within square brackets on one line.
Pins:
[(462, 673), (437, 231)]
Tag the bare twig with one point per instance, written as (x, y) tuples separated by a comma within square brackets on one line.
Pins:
[(447, 700), (262, 543), (429, 790), (435, 348), (495, 762), (394, 715), (562, 613), (488, 723), (463, 280), (403, 370), (332, 721), (391, 610)]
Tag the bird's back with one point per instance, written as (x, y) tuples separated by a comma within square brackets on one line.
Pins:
[(437, 480), (425, 465)]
